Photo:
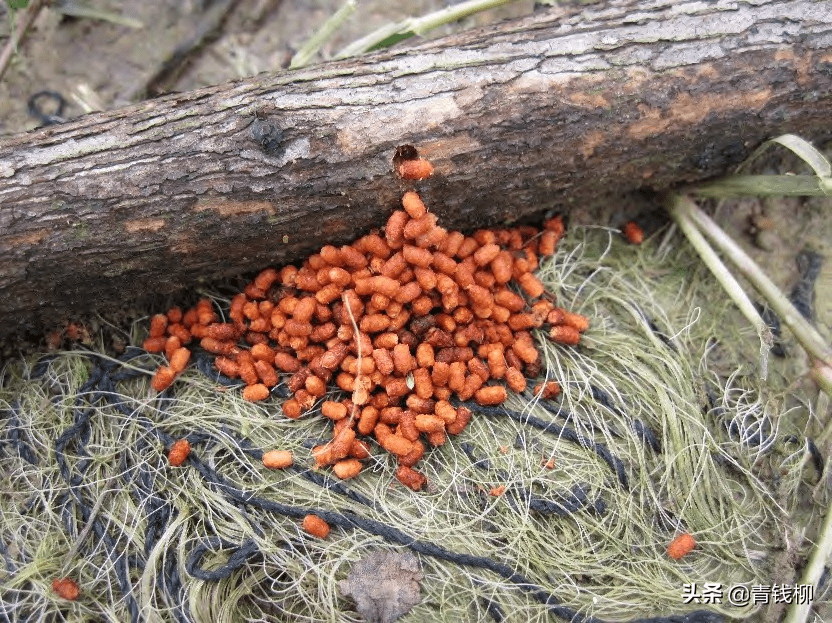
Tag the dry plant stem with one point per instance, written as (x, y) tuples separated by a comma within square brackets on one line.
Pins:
[(418, 25), (356, 333), (681, 215), (799, 612), (81, 10), (800, 147), (763, 186), (805, 333), (26, 20), (316, 41)]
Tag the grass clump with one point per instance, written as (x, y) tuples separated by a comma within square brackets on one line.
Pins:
[(541, 508)]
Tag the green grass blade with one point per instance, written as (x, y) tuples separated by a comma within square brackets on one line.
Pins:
[(806, 152), (763, 186), (393, 33), (324, 34)]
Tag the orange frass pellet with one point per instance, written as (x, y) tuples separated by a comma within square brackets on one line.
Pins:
[(255, 392), (633, 233), (416, 256), (497, 491), (218, 347), (681, 545), (547, 243), (155, 344), (347, 468), (445, 411), (66, 588), (334, 410), (315, 386), (463, 417), (526, 351), (394, 444), (515, 380), (262, 352), (374, 245), (510, 300), (179, 451), (224, 331), (163, 378), (473, 382), (427, 423), (403, 361), (227, 366), (486, 254), (501, 267), (158, 324), (408, 293), (291, 408), (205, 313), (423, 385), (420, 405), (286, 363), (174, 315), (555, 224), (411, 458), (531, 285), (179, 330), (359, 449), (496, 362), (317, 527), (519, 322), (246, 366), (491, 395), (563, 334), (576, 321), (409, 477), (352, 257), (549, 389), (374, 323), (478, 367), (171, 345), (336, 449), (394, 229), (179, 359), (417, 227), (417, 169), (436, 438), (277, 459)]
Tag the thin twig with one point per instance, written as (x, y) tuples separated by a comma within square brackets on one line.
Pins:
[(681, 214), (357, 338), (805, 333), (799, 611), (26, 20), (408, 27), (324, 34), (763, 186)]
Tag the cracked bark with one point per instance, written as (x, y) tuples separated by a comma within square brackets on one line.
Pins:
[(576, 106)]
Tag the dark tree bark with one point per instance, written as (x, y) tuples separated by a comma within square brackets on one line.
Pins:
[(564, 108)]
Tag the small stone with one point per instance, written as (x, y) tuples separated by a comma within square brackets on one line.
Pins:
[(384, 585)]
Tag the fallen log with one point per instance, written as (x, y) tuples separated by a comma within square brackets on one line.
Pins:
[(567, 107)]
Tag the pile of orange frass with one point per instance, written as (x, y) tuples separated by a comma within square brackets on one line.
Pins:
[(401, 320)]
